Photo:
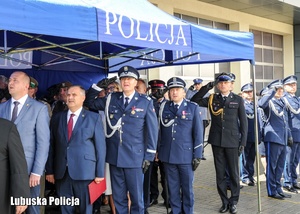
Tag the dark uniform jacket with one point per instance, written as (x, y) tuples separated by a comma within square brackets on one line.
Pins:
[(229, 129)]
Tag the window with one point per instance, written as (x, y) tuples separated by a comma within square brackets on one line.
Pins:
[(205, 71), (268, 57)]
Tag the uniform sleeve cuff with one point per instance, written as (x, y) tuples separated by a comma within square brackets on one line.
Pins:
[(94, 86)]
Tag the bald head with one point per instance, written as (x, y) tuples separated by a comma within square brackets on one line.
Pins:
[(18, 84)]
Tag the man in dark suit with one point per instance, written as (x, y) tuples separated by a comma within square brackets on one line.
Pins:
[(181, 145), (14, 177), (32, 120), (129, 115), (228, 136), (77, 151)]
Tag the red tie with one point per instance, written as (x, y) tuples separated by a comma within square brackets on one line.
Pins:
[(70, 126)]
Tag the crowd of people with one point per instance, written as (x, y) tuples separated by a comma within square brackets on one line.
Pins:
[(123, 131)]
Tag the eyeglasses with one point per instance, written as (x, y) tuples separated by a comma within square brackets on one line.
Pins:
[(111, 88)]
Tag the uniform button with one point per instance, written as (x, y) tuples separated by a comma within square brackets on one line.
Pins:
[(175, 124), (174, 132), (122, 123), (124, 115), (175, 116), (173, 138)]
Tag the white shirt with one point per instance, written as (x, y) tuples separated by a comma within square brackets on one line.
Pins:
[(130, 97), (21, 101), (75, 117)]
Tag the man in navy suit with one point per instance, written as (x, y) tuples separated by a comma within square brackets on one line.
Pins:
[(131, 138), (32, 120), (276, 136), (77, 151), (181, 145)]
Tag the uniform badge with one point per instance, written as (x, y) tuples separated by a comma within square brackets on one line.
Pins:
[(111, 116), (133, 110)]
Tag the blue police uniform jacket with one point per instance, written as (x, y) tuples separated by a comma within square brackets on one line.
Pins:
[(249, 108), (181, 133), (131, 132), (293, 106), (276, 127)]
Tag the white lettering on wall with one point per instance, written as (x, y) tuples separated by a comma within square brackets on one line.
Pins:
[(20, 60)]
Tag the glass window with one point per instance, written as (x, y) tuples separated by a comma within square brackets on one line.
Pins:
[(268, 55), (278, 72), (278, 43), (278, 57), (258, 54), (268, 72), (204, 22), (267, 39), (259, 74), (189, 19), (257, 37)]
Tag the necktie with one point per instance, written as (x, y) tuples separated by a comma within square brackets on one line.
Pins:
[(176, 106), (224, 100), (15, 111), (70, 126), (126, 101)]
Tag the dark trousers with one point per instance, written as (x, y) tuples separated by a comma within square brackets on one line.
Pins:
[(67, 187), (275, 156), (154, 192), (227, 157), (249, 158), (180, 185), (125, 180), (147, 179)]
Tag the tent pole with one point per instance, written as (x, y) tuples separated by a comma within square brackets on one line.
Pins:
[(256, 137), (5, 41), (101, 53)]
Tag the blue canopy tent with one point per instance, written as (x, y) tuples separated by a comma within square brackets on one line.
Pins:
[(209, 46), (70, 38)]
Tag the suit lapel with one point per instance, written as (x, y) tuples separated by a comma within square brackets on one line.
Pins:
[(24, 109), (120, 101), (79, 122)]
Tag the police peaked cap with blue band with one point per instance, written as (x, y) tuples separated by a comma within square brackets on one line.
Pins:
[(225, 77), (197, 81), (247, 87), (263, 91), (157, 84), (290, 79), (128, 71), (176, 82), (275, 83)]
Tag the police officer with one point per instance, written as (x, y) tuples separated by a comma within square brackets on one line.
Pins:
[(275, 137), (293, 152), (129, 115), (204, 114), (181, 145), (228, 135), (158, 89), (249, 151)]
